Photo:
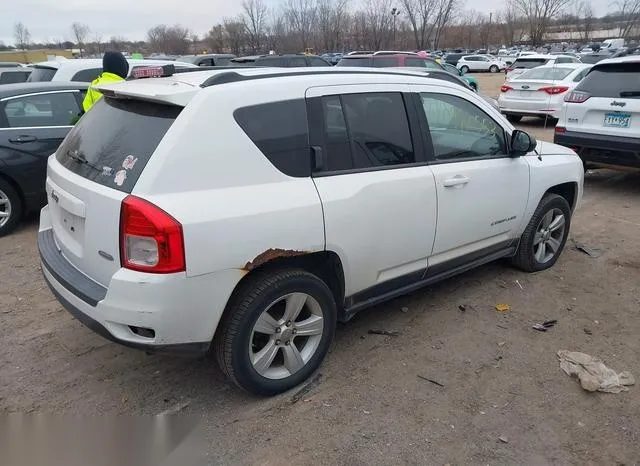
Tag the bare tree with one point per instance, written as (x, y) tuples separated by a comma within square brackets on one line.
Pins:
[(80, 33), (22, 36), (117, 43), (254, 17), (331, 22), (629, 16), (510, 24), (377, 14), (97, 40), (421, 15), (586, 19), (216, 38), (446, 11), (538, 14), (236, 35), (169, 39), (301, 15)]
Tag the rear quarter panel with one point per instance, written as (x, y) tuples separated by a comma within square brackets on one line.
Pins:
[(234, 205)]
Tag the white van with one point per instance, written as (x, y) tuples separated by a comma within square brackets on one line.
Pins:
[(612, 44)]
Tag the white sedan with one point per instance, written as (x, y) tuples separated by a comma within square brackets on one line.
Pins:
[(481, 63), (540, 92)]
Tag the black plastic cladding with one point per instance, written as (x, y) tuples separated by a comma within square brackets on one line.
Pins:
[(232, 77)]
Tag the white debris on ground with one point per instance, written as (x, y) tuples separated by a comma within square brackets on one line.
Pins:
[(593, 374)]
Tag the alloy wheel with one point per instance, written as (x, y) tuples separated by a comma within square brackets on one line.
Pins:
[(549, 235), (286, 336), (5, 208)]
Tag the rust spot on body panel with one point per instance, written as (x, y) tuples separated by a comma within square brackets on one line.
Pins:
[(269, 255)]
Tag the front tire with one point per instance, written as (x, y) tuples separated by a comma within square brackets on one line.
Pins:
[(494, 69), (276, 331), (10, 208), (464, 69), (514, 118), (545, 236)]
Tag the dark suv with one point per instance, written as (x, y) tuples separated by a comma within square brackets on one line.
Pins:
[(290, 61), (388, 61)]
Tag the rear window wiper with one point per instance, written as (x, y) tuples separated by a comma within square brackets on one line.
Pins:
[(80, 158), (630, 94)]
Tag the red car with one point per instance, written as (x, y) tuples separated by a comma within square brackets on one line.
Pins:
[(388, 61)]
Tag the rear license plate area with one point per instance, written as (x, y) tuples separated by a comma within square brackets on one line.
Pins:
[(617, 120)]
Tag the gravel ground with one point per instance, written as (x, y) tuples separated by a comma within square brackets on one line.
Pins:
[(496, 376)]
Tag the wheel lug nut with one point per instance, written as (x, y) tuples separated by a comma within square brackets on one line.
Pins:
[(278, 330), (288, 342), (294, 331), (288, 323), (278, 342)]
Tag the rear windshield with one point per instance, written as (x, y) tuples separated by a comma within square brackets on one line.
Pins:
[(112, 143), (551, 74), (41, 73), (613, 81), (529, 63), (359, 61)]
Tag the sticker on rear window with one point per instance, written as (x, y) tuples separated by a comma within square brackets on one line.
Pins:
[(120, 177), (129, 162)]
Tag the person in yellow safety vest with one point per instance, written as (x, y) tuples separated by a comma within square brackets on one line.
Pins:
[(114, 68)]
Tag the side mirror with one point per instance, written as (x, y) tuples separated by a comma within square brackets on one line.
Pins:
[(522, 143)]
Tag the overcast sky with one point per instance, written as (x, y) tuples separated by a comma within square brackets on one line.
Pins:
[(50, 20)]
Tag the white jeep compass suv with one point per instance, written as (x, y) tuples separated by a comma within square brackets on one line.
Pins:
[(247, 211)]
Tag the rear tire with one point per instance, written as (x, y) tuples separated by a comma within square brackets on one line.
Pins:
[(464, 69), (545, 236), (494, 69), (514, 118), (260, 343), (10, 208)]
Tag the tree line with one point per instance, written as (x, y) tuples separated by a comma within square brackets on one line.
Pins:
[(333, 25)]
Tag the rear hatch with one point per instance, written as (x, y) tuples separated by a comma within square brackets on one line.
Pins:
[(607, 101), (95, 168)]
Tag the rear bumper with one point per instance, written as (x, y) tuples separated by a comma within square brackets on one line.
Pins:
[(157, 313), (600, 149), (530, 108)]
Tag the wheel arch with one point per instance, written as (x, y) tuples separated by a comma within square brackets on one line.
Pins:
[(14, 184), (568, 190), (326, 265)]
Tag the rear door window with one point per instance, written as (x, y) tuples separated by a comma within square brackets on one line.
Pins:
[(280, 131), (410, 61), (12, 77), (364, 131), (297, 62), (42, 74), (314, 61), (113, 142), (621, 80), (386, 62), (39, 110)]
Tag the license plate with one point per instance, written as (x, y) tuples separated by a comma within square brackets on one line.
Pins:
[(617, 120)]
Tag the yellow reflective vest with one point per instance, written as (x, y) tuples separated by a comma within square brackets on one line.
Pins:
[(93, 95)]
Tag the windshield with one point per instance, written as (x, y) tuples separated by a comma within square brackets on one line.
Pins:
[(112, 143), (41, 74), (550, 74)]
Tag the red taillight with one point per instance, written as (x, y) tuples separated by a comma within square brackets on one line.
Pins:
[(577, 97), (506, 88), (151, 240), (554, 90), (561, 129)]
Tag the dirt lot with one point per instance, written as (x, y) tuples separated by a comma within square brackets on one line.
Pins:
[(499, 377)]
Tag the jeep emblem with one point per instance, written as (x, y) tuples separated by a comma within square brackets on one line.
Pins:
[(618, 104), (54, 196)]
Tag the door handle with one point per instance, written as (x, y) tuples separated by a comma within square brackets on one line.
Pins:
[(457, 180), (23, 139)]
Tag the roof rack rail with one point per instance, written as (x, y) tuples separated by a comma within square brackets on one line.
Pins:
[(232, 76)]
